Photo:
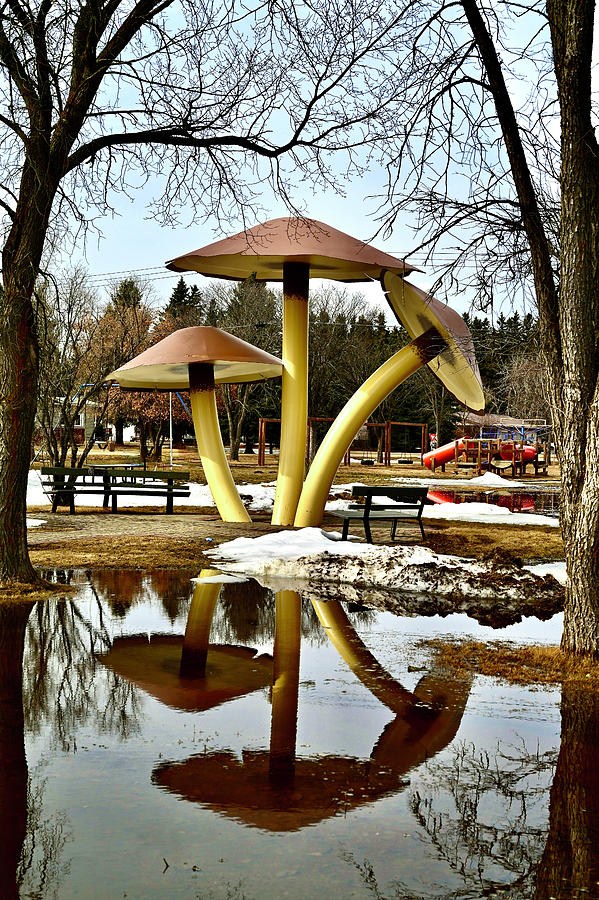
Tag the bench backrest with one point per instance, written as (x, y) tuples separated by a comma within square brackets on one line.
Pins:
[(70, 472), (145, 475), (412, 495)]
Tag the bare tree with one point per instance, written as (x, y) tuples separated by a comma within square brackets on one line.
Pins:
[(81, 341), (500, 104), (206, 101)]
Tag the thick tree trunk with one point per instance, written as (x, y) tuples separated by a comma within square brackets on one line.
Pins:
[(18, 387), (574, 376)]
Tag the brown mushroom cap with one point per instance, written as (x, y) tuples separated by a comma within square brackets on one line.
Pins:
[(456, 367), (263, 249), (165, 365)]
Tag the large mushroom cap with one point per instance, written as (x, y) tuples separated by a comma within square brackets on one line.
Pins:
[(165, 365), (456, 367), (262, 250)]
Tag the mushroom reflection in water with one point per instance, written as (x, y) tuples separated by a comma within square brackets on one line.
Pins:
[(440, 339), (278, 791), (291, 250), (189, 673), (197, 359)]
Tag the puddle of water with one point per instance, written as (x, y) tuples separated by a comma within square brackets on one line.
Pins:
[(154, 755), (540, 502)]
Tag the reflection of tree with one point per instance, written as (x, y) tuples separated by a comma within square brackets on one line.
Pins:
[(13, 771), (122, 589), (246, 614), (59, 667), (41, 868), (570, 863), (481, 820)]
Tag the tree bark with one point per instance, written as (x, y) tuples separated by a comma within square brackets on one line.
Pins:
[(19, 367)]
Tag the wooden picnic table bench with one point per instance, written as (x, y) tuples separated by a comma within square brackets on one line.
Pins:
[(383, 502), (63, 484)]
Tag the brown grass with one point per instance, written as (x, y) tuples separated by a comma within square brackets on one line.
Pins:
[(31, 593), (514, 664), (123, 552)]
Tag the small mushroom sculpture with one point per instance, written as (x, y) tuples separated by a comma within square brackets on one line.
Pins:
[(196, 359), (440, 339), (291, 250)]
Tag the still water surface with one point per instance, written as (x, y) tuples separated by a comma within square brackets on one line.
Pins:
[(154, 765)]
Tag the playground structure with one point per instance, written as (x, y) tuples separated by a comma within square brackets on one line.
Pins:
[(490, 454), (387, 426)]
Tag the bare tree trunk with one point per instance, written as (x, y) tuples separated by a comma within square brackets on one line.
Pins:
[(18, 388)]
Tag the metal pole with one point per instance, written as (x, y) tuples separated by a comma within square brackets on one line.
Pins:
[(170, 424)]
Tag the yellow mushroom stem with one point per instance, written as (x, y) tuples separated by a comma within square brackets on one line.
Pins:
[(285, 688), (210, 444), (197, 629), (356, 411), (294, 392)]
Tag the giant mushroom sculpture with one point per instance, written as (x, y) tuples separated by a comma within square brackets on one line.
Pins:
[(291, 250), (440, 339), (196, 359)]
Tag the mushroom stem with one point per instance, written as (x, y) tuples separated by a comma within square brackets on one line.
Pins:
[(356, 411), (294, 397), (197, 630), (285, 688), (210, 444)]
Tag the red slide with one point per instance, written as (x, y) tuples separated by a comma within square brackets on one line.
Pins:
[(441, 454)]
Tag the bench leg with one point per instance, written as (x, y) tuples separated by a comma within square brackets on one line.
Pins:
[(367, 530), (169, 505), (114, 503), (72, 504), (345, 529), (422, 529), (393, 529)]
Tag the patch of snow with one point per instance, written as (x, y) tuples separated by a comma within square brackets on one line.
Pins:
[(33, 523), (557, 569), (485, 512), (315, 555), (492, 480)]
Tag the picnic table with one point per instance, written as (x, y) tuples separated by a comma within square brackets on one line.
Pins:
[(64, 484)]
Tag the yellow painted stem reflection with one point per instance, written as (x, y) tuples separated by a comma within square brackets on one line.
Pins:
[(197, 629), (285, 685), (212, 454), (356, 411), (425, 720), (294, 392), (363, 664)]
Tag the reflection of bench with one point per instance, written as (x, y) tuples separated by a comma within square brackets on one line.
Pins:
[(63, 484), (383, 502)]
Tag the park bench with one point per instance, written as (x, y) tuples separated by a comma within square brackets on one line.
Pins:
[(64, 484), (383, 502)]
